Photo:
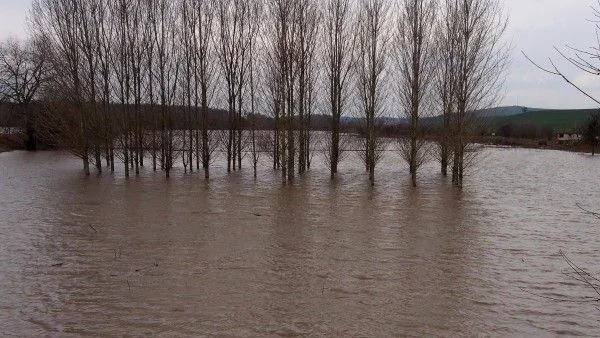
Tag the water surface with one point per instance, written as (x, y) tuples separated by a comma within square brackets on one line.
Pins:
[(238, 257)]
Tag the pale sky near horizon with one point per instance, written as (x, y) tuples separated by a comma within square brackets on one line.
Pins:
[(536, 26)]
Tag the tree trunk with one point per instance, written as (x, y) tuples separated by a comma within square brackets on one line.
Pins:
[(444, 160), (335, 149), (86, 165), (31, 143), (98, 157)]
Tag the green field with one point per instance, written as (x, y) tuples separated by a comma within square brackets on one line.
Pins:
[(560, 121)]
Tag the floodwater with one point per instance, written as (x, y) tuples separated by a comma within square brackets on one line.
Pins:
[(238, 257)]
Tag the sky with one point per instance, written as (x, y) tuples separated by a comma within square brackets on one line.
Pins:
[(535, 27)]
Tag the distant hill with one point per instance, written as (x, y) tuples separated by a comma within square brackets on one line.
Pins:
[(554, 120), (485, 114), (507, 111), (557, 120)]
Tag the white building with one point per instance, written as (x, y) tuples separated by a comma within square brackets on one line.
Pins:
[(565, 137)]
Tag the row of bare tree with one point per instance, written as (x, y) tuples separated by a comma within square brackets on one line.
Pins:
[(113, 74)]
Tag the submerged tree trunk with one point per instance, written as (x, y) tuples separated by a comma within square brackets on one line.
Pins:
[(31, 142)]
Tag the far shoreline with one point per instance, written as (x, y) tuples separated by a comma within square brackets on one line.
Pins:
[(15, 143), (523, 143)]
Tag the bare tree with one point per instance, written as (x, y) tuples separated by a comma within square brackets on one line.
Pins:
[(187, 37), (234, 27), (273, 77), (132, 77), (253, 70), (122, 69), (579, 274), (58, 22), (481, 60), (446, 45), (414, 55), (586, 60), (137, 42), (88, 44), (204, 67), (308, 17), (105, 35), (254, 145), (339, 51), (164, 19), (23, 71), (283, 46), (371, 65)]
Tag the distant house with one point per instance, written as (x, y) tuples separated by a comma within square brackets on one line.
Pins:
[(566, 137)]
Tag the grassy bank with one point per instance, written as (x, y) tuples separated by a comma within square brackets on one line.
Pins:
[(533, 144)]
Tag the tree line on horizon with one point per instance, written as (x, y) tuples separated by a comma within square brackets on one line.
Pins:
[(140, 81)]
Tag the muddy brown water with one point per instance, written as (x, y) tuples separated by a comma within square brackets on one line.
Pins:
[(238, 257)]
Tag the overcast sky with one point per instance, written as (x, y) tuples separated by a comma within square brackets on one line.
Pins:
[(535, 27)]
